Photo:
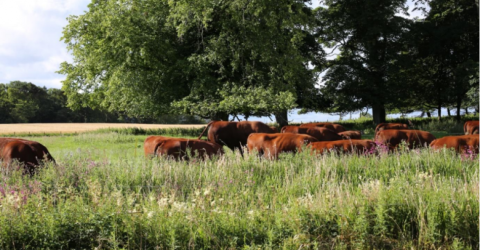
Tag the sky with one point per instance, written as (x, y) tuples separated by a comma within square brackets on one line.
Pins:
[(30, 46)]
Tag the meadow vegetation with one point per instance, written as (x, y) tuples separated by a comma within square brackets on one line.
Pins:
[(104, 194)]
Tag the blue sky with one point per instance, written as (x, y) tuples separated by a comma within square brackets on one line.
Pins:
[(30, 46)]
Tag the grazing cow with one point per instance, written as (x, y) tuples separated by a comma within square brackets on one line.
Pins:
[(270, 145), (234, 134), (352, 134), (320, 133), (290, 129), (470, 127), (414, 138), (179, 148), (383, 126), (274, 129), (28, 153), (350, 146), (41, 152), (461, 143), (332, 126)]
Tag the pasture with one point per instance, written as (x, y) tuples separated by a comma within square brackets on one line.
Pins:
[(104, 194)]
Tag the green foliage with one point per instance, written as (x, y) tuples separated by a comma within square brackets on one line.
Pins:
[(139, 57), (103, 193), (368, 45)]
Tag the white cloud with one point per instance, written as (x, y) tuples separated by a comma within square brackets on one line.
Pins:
[(30, 46)]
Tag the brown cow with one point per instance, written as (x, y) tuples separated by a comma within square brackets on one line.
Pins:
[(41, 152), (274, 129), (352, 134), (350, 146), (28, 153), (234, 134), (332, 126), (460, 143), (471, 127), (414, 138), (179, 148), (320, 133), (271, 145), (383, 126), (290, 129)]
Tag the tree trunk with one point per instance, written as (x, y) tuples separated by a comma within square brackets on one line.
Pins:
[(466, 111), (429, 115), (478, 7), (282, 118), (379, 114), (439, 112), (459, 105), (448, 112)]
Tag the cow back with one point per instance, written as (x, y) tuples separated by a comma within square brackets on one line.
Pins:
[(353, 134), (322, 134), (290, 129), (460, 144), (413, 138), (346, 146), (384, 126), (271, 145)]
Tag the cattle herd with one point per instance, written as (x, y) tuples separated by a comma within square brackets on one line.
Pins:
[(256, 136)]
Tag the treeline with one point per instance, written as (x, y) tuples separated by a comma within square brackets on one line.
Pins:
[(219, 58), (24, 102)]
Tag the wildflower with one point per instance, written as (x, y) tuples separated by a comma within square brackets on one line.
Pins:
[(206, 192)]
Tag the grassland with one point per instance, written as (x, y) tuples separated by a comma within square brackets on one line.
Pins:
[(104, 194)]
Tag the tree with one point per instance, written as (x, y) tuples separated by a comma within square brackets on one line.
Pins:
[(152, 57), (447, 52), (366, 35)]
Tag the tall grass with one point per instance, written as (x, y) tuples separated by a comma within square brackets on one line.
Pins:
[(412, 199)]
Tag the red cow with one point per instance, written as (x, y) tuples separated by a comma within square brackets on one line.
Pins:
[(290, 129), (383, 126), (234, 134), (413, 138), (332, 126), (350, 146), (470, 127), (28, 153), (321, 134), (460, 143), (270, 145), (274, 129), (352, 134), (179, 148)]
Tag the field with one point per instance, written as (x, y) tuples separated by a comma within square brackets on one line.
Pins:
[(104, 194), (69, 128)]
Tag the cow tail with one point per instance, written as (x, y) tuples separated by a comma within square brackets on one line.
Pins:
[(208, 125)]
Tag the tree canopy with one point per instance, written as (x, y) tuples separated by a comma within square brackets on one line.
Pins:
[(210, 58), (151, 57)]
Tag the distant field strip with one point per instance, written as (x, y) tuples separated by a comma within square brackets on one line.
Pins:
[(38, 128)]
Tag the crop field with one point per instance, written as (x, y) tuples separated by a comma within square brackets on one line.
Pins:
[(47, 128), (104, 194)]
